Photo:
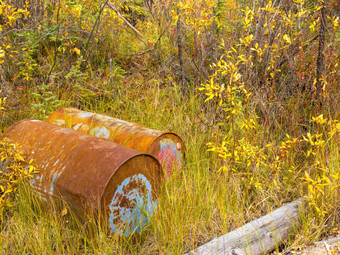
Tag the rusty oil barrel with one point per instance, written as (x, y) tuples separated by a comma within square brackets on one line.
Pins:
[(167, 147), (93, 174)]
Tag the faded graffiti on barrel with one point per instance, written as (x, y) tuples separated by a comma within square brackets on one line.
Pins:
[(169, 155), (91, 173), (132, 203), (167, 147)]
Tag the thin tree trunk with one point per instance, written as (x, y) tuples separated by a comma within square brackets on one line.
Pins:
[(257, 39), (320, 60)]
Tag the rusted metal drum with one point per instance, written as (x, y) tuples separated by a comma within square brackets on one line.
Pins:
[(93, 174), (167, 147)]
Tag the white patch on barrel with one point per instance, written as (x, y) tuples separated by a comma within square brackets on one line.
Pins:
[(100, 132), (86, 114), (77, 126), (138, 207), (59, 122)]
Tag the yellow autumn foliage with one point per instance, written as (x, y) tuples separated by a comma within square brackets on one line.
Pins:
[(14, 169)]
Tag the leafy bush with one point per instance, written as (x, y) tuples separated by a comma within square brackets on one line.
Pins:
[(14, 170)]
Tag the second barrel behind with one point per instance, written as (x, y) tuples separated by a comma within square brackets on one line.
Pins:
[(167, 147)]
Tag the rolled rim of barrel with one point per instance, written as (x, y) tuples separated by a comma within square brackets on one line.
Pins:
[(167, 147), (91, 173)]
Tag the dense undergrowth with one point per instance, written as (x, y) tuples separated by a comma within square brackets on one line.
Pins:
[(251, 86)]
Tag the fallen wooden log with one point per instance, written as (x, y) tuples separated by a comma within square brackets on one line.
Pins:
[(329, 246), (259, 236)]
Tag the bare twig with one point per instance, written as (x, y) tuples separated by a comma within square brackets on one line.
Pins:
[(320, 59), (113, 7), (95, 24)]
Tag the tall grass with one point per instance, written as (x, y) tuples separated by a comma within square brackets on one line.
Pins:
[(196, 205)]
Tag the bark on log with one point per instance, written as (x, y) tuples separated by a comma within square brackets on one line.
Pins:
[(259, 236)]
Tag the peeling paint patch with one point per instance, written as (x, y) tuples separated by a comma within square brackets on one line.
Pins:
[(59, 122), (86, 114), (102, 132), (84, 128), (54, 177), (36, 178), (131, 204), (56, 162), (122, 121), (77, 126)]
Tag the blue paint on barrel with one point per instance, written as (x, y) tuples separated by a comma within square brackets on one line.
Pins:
[(54, 177), (86, 114), (132, 205), (39, 178)]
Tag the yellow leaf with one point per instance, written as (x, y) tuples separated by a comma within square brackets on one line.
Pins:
[(64, 212), (337, 126), (76, 50), (287, 38)]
